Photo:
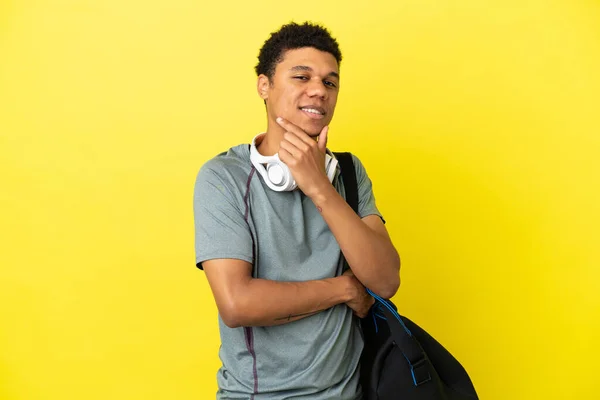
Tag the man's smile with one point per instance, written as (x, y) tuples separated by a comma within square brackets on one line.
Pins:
[(314, 112)]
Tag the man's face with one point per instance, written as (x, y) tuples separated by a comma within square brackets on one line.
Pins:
[(303, 90)]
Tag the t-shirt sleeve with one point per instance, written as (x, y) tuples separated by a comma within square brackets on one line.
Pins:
[(366, 198), (221, 230)]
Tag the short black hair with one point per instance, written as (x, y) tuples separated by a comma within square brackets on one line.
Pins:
[(294, 36)]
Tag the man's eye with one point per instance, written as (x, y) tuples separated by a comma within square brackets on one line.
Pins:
[(329, 83), (301, 77)]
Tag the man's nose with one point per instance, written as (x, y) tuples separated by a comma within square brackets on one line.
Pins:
[(317, 88)]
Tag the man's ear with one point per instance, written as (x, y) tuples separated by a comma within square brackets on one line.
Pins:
[(262, 86)]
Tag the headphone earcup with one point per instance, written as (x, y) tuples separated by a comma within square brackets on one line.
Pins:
[(276, 174), (279, 174)]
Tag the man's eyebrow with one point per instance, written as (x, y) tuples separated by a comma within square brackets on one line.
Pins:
[(309, 69)]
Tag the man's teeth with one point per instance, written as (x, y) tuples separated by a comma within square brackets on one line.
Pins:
[(311, 110)]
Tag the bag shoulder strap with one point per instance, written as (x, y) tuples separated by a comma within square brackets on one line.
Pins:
[(349, 178)]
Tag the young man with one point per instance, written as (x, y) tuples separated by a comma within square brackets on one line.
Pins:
[(270, 222)]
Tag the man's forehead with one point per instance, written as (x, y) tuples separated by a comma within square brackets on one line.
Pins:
[(308, 59)]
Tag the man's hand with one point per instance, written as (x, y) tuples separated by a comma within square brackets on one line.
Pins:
[(362, 301), (304, 157)]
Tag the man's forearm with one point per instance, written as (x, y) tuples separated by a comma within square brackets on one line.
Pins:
[(371, 255), (261, 302)]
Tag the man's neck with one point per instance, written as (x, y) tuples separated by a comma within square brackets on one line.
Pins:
[(269, 144)]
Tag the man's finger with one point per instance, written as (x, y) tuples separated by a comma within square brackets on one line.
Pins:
[(289, 147), (295, 140), (285, 155), (288, 126)]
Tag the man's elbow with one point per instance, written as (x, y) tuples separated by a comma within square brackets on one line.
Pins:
[(390, 287), (232, 314), (230, 321)]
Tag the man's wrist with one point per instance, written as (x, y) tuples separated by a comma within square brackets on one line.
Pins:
[(348, 288), (322, 195)]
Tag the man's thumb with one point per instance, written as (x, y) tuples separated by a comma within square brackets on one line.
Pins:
[(322, 143)]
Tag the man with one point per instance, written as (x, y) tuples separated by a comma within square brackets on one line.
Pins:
[(270, 222)]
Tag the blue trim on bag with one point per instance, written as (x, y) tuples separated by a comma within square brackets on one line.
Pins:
[(376, 313), (394, 312), (381, 302), (375, 321), (412, 370)]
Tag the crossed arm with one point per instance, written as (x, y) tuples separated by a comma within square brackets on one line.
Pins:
[(246, 301)]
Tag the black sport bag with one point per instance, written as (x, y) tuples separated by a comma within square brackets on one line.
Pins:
[(401, 361)]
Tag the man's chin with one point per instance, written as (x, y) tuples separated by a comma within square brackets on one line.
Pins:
[(312, 130)]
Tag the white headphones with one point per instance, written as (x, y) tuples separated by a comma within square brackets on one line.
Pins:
[(277, 175)]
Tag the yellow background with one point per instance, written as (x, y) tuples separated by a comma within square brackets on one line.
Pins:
[(477, 121)]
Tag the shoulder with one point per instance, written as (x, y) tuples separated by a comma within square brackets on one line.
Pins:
[(362, 177), (359, 167), (231, 166), (223, 179), (357, 163)]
